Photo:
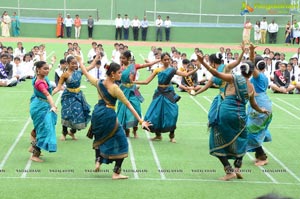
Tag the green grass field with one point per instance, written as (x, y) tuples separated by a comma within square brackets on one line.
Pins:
[(164, 170)]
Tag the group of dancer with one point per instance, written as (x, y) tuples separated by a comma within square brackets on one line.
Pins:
[(231, 135)]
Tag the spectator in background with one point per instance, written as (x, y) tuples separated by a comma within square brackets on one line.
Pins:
[(90, 24), (60, 70), (19, 51), (296, 32), (144, 25), (263, 30), (6, 72), (59, 26), (247, 31), (158, 24), (5, 24), (119, 24), (282, 83), (288, 33), (15, 25), (18, 70), (257, 33), (272, 29), (136, 24), (68, 23), (168, 25), (77, 23), (126, 25), (190, 83)]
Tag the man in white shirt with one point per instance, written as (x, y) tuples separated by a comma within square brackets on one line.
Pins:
[(263, 30), (144, 25), (136, 24), (158, 24), (168, 25), (92, 52), (68, 23), (126, 25), (272, 29), (119, 24)]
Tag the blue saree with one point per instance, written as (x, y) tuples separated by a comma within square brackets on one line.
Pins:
[(163, 110), (75, 110), (44, 120), (125, 117), (108, 133), (15, 26), (229, 138)]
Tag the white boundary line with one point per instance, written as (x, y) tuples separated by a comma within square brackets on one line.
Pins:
[(162, 175), (28, 165), (295, 116), (291, 105), (132, 159), (267, 174), (159, 179)]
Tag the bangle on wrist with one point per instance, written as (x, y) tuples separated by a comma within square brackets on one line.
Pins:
[(141, 122)]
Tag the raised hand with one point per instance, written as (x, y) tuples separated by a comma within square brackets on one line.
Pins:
[(146, 124)]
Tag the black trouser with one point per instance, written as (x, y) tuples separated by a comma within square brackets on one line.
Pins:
[(272, 37), (228, 169), (135, 33), (158, 34), (65, 130), (126, 33), (297, 42), (144, 34), (171, 135), (167, 31), (69, 31), (118, 33), (118, 164), (90, 30)]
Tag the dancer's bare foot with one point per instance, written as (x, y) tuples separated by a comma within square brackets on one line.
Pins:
[(36, 159), (30, 149), (172, 140), (127, 132), (156, 138), (97, 166), (261, 162), (135, 135), (63, 138), (228, 176), (119, 176), (238, 173), (72, 136)]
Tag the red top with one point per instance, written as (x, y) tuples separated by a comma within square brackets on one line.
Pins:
[(42, 86)]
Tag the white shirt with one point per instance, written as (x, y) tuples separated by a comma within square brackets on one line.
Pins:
[(126, 23), (272, 28), (18, 53), (91, 54), (263, 25), (18, 70), (168, 23), (119, 22), (68, 22), (136, 23), (159, 22)]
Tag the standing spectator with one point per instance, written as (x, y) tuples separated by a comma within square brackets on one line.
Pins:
[(5, 24), (90, 23), (257, 33), (247, 31), (288, 33), (263, 30), (144, 25), (77, 23), (119, 24), (168, 25), (68, 23), (136, 24), (272, 29), (126, 25), (15, 25), (59, 26), (296, 32), (158, 24)]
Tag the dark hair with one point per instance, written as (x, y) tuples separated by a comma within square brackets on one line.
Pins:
[(27, 54), (127, 54), (39, 64), (260, 63), (4, 55), (62, 61), (247, 68), (113, 67), (164, 54), (216, 58), (185, 61), (69, 59), (17, 58)]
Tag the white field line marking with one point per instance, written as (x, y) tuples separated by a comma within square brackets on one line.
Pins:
[(132, 159), (28, 165), (262, 169), (142, 56), (267, 174), (159, 179), (291, 105), (162, 175), (295, 116)]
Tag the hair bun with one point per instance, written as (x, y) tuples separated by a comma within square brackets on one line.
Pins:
[(219, 55), (107, 66)]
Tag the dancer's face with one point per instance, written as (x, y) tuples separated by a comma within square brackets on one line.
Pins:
[(166, 60)]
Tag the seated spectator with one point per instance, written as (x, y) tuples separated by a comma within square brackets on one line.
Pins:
[(28, 66), (18, 70), (6, 72), (281, 82), (60, 70), (190, 83)]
